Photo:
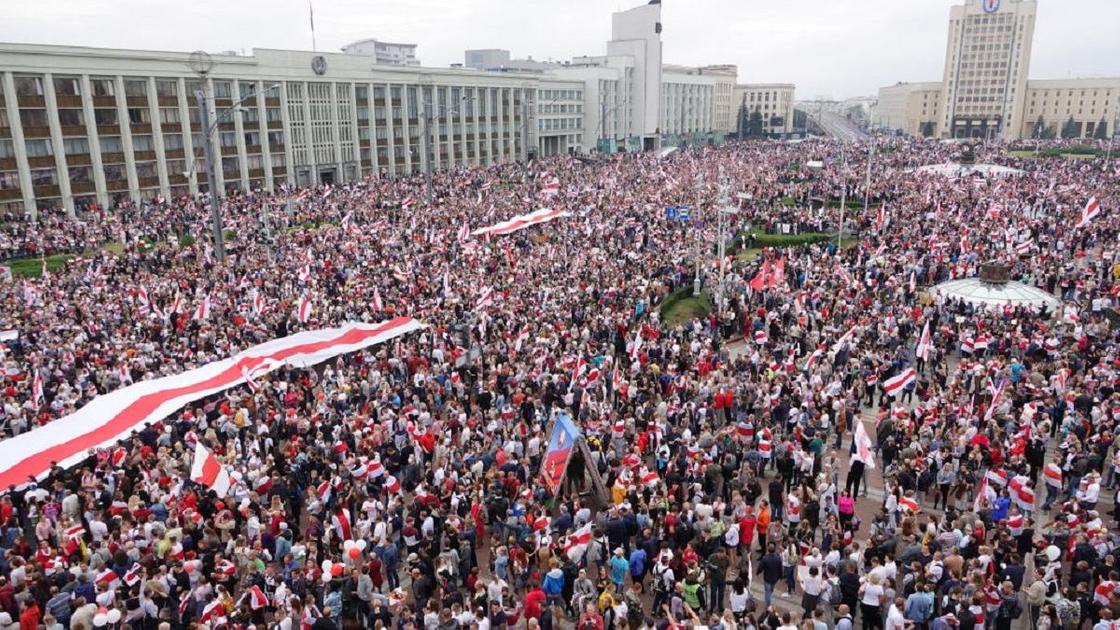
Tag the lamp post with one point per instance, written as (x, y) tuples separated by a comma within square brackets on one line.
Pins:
[(201, 63), (843, 196), (426, 117)]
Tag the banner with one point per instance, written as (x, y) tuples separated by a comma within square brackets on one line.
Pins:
[(106, 419), (521, 222), (560, 447)]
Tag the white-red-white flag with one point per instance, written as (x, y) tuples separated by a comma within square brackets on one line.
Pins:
[(378, 305), (37, 389), (208, 471), (1089, 212), (257, 598), (485, 299), (924, 343), (303, 309), (202, 313), (551, 187), (894, 385), (864, 452)]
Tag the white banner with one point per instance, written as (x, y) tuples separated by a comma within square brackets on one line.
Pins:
[(521, 222)]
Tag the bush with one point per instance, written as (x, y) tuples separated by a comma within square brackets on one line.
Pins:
[(790, 240), (186, 240), (229, 235)]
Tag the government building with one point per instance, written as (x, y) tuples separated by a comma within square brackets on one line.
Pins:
[(985, 91), (84, 126)]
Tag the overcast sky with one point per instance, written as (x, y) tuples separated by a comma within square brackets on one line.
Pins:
[(837, 48)]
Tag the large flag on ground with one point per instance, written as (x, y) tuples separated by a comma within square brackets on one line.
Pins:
[(520, 222), (561, 445), (114, 416), (208, 471)]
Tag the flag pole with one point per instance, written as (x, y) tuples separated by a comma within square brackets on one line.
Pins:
[(311, 12)]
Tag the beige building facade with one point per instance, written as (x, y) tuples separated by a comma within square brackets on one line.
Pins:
[(1090, 107), (985, 91), (773, 101), (987, 61), (913, 108)]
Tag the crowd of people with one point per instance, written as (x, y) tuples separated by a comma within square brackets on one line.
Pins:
[(400, 486)]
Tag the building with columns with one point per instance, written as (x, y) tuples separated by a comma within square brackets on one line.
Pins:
[(985, 90), (84, 125)]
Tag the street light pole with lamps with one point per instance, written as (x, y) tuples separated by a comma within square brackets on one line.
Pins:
[(201, 63)]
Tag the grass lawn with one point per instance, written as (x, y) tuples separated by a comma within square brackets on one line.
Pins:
[(681, 306), (33, 267)]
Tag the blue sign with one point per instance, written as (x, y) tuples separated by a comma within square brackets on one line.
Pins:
[(670, 213), (682, 214)]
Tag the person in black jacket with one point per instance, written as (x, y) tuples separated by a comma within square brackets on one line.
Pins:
[(771, 569), (849, 589)]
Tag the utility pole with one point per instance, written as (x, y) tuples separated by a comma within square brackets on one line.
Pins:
[(843, 197), (696, 239), (724, 209), (426, 118), (867, 180), (211, 175)]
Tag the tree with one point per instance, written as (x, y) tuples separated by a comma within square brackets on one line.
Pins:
[(1101, 132), (1071, 129), (754, 125), (1039, 128)]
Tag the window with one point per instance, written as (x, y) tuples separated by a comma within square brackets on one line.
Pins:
[(142, 143), (39, 147), (247, 89), (176, 167), (80, 174), (29, 86), (75, 146), (252, 138), (7, 149), (222, 89), (9, 181), (67, 86), (273, 114), (169, 115), (172, 142), (276, 138), (167, 87), (44, 177), (250, 115), (139, 115), (114, 172), (230, 166), (111, 144), (146, 170), (71, 118), (33, 117), (105, 116), (254, 162), (135, 88), (229, 139)]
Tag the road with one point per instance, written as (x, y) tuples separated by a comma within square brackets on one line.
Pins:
[(840, 128)]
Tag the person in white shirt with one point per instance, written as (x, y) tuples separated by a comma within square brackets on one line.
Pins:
[(895, 620)]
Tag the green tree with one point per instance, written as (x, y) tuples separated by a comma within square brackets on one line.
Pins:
[(1101, 132), (754, 125), (1039, 128), (1071, 129)]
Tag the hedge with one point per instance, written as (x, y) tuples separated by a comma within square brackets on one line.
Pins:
[(33, 267), (790, 240)]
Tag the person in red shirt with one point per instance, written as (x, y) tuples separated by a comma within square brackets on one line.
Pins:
[(29, 618), (533, 601)]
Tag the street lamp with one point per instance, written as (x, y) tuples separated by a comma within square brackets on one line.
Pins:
[(201, 63), (426, 118)]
